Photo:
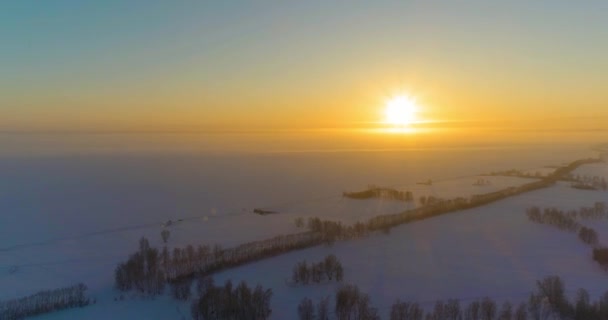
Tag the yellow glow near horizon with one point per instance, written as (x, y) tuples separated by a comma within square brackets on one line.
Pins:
[(401, 111)]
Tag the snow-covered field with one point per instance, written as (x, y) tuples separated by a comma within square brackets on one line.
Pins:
[(492, 250), (66, 221)]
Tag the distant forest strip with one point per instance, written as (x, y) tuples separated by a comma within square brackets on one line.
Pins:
[(148, 268), (378, 192), (44, 302)]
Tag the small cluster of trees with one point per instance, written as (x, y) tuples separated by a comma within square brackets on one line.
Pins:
[(351, 304), (230, 303), (589, 183), (588, 236), (379, 192), (327, 270), (600, 255), (307, 311), (44, 302), (141, 271), (547, 302)]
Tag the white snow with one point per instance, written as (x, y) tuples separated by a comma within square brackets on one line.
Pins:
[(72, 220), (492, 250)]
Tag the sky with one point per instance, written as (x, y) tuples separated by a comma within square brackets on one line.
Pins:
[(254, 65)]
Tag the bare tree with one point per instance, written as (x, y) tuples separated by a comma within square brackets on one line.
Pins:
[(488, 309), (306, 310), (323, 309), (165, 235), (506, 312)]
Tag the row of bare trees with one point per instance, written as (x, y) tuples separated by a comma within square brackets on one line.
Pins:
[(148, 270), (44, 302), (599, 210), (432, 206), (566, 220), (553, 217), (548, 301), (327, 270), (436, 206)]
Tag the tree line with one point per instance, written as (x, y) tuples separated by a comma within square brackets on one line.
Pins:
[(553, 217), (548, 301), (566, 220), (147, 270), (44, 302), (327, 270), (230, 303), (333, 230), (599, 210), (438, 206)]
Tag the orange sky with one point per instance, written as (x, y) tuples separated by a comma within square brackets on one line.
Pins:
[(238, 67)]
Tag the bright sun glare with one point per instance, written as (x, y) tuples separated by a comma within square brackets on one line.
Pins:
[(401, 110)]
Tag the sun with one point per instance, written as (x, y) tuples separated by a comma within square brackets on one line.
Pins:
[(401, 110)]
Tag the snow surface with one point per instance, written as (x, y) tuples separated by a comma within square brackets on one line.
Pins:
[(492, 250), (66, 220)]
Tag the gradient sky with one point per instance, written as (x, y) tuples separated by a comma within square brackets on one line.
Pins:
[(196, 65)]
